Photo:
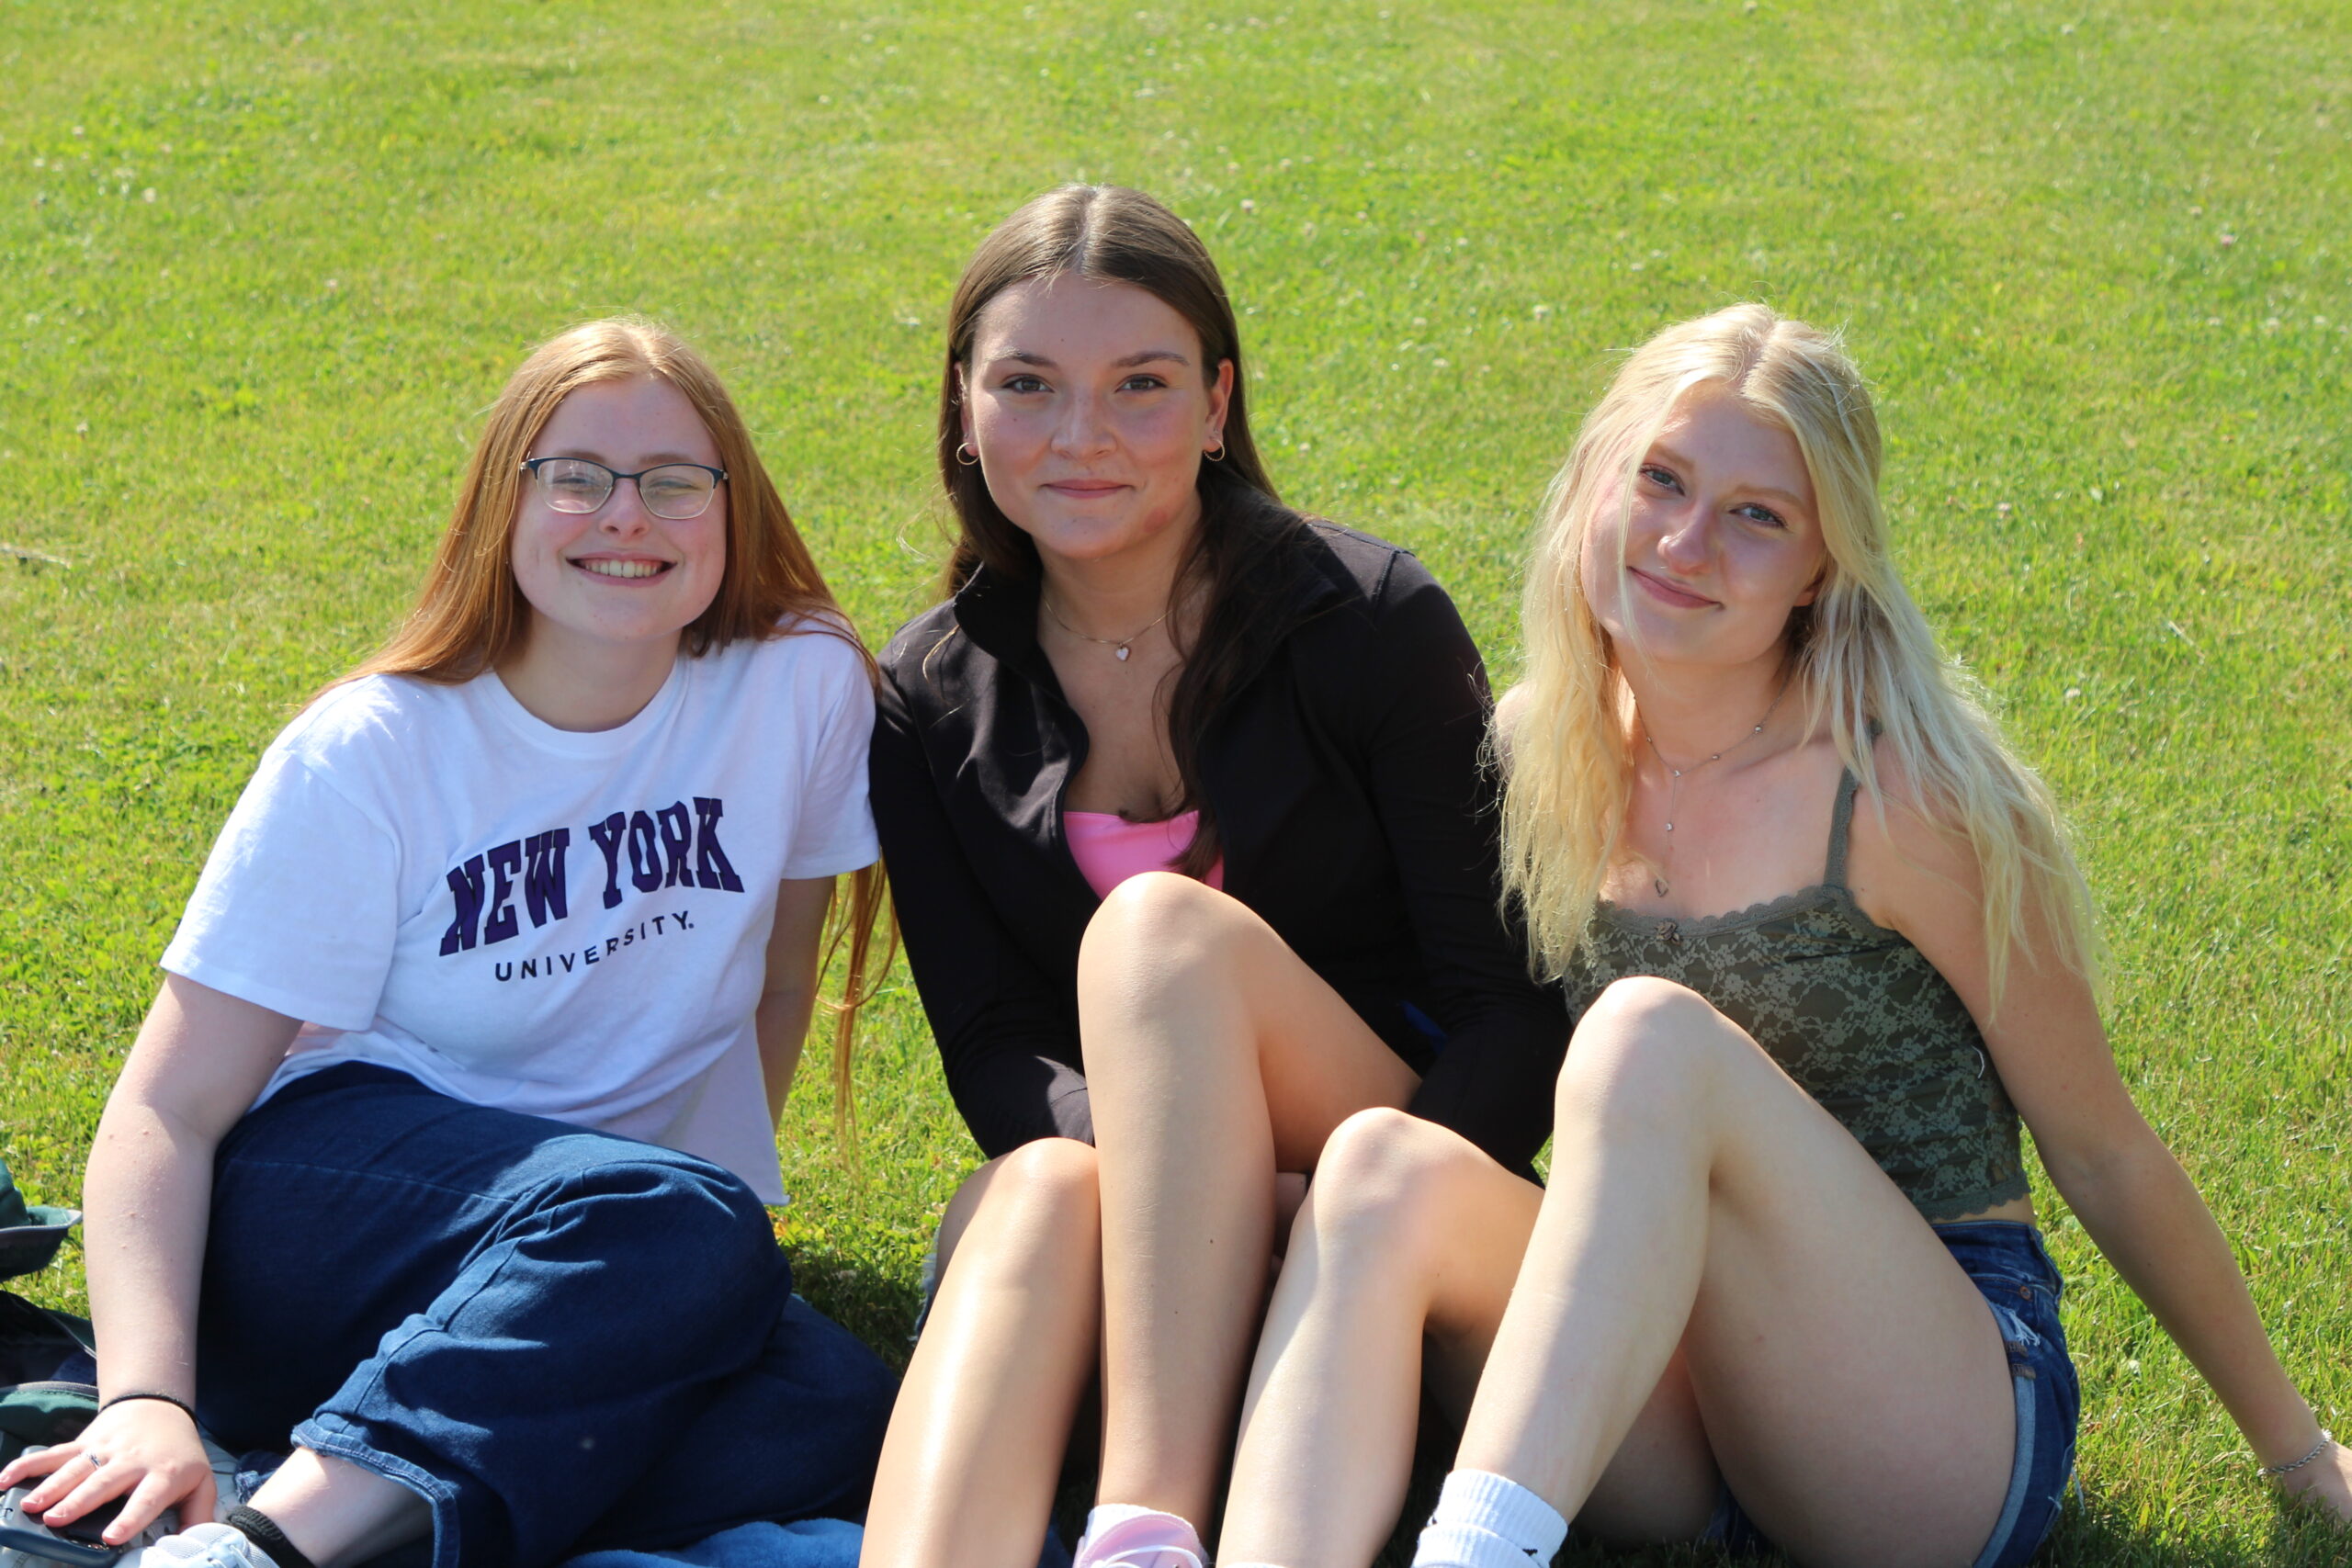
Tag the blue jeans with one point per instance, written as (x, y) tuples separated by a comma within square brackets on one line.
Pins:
[(2012, 1269), (559, 1338)]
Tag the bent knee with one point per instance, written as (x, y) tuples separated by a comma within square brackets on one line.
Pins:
[(1386, 1177), (1648, 1042), (1160, 915), (675, 1206), (1054, 1176), (1036, 1209), (1644, 1001)]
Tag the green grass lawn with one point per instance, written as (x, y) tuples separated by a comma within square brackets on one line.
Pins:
[(262, 267)]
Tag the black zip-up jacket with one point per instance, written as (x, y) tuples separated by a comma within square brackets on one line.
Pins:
[(1355, 814)]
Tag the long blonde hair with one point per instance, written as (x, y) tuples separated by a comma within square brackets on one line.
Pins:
[(1861, 656), (471, 614)]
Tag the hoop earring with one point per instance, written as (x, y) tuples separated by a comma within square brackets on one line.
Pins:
[(965, 456), (1217, 456)]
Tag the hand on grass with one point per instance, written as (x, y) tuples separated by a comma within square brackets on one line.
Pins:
[(143, 1448), (2326, 1483)]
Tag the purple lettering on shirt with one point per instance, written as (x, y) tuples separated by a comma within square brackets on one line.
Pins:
[(465, 882), (608, 834), (712, 868)]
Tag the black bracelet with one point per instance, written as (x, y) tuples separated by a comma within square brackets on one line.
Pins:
[(182, 1405)]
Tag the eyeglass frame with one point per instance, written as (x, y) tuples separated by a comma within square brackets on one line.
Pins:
[(613, 477)]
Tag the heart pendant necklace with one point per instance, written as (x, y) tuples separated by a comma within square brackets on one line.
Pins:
[(1674, 786), (1120, 646)]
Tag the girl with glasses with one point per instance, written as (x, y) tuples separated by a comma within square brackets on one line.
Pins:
[(1192, 849), (444, 1148), (1827, 948)]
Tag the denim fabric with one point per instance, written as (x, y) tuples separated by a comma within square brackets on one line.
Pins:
[(2011, 1267), (560, 1338), (812, 1543)]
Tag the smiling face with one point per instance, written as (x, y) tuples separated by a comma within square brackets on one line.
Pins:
[(1089, 409), (619, 576), (1723, 541)]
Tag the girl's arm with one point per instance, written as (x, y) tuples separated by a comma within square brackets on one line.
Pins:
[(1420, 689), (2113, 1170), (201, 1059), (1007, 1035), (788, 997)]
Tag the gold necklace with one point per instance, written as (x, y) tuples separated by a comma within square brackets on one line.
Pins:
[(1120, 646), (1674, 787)]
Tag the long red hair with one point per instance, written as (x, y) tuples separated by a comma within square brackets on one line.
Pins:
[(471, 614)]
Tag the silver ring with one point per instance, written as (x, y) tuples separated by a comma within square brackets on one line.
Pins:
[(97, 1461)]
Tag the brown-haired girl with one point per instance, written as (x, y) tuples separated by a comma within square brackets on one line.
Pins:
[(1194, 854), (444, 1147)]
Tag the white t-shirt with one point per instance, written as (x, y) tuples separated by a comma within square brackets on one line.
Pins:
[(563, 924)]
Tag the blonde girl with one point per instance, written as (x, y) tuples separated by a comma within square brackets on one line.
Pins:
[(1827, 946)]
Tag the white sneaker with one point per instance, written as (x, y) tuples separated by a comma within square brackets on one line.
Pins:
[(199, 1546)]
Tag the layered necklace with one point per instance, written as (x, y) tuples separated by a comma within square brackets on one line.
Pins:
[(1658, 878), (1120, 646)]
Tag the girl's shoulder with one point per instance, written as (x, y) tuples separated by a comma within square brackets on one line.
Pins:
[(820, 646), (372, 714), (1372, 613), (1907, 855), (1359, 566), (916, 638)]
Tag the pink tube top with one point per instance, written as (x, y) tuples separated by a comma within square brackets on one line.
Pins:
[(1109, 848)]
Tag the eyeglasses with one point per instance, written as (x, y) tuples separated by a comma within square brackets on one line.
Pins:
[(671, 490)]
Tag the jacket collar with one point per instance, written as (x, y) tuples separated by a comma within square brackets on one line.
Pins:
[(999, 614)]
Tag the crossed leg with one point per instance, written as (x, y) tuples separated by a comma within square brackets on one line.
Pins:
[(1718, 1278)]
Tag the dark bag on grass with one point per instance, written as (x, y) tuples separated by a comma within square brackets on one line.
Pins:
[(47, 1380)]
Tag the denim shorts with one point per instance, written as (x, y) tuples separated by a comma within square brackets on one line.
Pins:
[(2020, 1282)]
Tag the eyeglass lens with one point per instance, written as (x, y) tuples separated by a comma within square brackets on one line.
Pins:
[(675, 490)]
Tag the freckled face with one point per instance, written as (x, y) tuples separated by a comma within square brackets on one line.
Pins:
[(1089, 409), (620, 574), (1723, 541)]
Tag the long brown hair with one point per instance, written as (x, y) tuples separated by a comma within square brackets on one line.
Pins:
[(471, 614), (1245, 551)]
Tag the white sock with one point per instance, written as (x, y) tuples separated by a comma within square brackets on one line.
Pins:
[(1483, 1521)]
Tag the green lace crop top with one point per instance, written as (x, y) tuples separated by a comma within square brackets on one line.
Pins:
[(1851, 1010)]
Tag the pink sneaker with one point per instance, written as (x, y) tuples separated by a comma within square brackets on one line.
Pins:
[(1147, 1540)]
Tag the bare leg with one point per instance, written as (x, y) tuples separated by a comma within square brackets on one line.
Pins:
[(337, 1512), (1852, 1384), (977, 1438), (1410, 1240), (1215, 1057)]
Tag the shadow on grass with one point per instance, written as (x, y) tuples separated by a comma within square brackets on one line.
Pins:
[(877, 1308)]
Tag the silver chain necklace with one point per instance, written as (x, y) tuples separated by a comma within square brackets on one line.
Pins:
[(1674, 787), (1120, 646)]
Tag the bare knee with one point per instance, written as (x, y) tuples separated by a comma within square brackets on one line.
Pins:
[(1041, 1197), (1649, 1052), (1052, 1180), (1387, 1183), (1160, 924)]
